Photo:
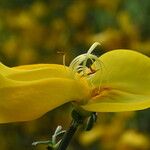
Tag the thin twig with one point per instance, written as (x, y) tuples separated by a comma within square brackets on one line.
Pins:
[(68, 135)]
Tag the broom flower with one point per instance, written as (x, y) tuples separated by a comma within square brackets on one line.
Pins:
[(118, 80)]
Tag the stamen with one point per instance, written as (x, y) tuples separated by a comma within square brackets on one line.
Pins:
[(79, 64), (64, 56)]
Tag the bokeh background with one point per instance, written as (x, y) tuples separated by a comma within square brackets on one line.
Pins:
[(34, 31)]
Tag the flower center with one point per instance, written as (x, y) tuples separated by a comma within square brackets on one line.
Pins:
[(81, 63)]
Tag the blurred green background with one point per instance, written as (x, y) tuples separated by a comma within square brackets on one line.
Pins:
[(33, 31)]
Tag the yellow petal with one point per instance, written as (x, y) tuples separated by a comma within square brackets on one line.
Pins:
[(125, 82), (34, 72), (28, 94)]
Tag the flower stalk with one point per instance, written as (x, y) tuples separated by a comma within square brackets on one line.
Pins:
[(68, 136), (78, 119)]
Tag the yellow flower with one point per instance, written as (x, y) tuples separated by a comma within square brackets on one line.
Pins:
[(117, 81)]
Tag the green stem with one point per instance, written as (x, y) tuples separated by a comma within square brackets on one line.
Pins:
[(68, 135)]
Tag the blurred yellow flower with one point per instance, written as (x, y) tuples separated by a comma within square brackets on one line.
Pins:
[(133, 140), (117, 81)]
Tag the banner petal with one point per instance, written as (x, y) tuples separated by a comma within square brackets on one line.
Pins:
[(123, 84)]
